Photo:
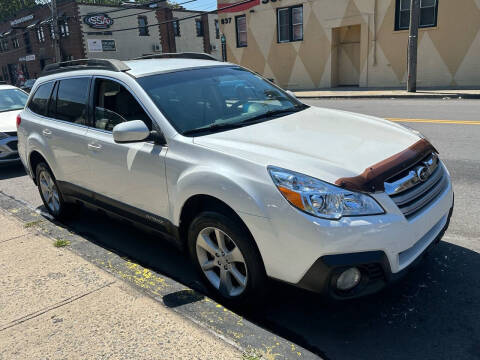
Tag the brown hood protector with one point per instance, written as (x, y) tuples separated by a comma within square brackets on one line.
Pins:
[(373, 178)]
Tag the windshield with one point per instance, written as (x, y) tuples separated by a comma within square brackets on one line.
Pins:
[(12, 99), (216, 98)]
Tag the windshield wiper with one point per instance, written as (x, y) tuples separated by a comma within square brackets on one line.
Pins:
[(234, 125), (213, 127), (272, 113)]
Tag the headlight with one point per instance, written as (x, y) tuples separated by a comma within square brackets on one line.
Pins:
[(320, 198), (3, 136)]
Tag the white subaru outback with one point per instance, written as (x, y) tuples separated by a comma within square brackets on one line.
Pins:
[(251, 181)]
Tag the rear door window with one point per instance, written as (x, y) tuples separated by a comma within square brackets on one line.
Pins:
[(39, 102), (71, 100)]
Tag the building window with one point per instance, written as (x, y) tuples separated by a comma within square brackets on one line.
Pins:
[(40, 35), (217, 29), (290, 24), (64, 29), (428, 14), (26, 41), (199, 27), (241, 26), (176, 28), (5, 73), (142, 26), (4, 45), (15, 43), (52, 32)]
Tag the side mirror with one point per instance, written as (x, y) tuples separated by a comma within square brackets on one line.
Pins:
[(291, 93), (130, 131)]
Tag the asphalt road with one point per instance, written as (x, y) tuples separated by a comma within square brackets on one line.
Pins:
[(434, 313)]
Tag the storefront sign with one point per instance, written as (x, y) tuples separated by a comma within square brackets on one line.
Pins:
[(109, 45), (21, 20), (94, 45), (97, 45), (98, 21), (27, 58)]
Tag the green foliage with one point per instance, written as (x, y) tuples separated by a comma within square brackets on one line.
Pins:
[(61, 243), (11, 7)]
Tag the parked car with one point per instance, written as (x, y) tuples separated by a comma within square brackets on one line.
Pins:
[(12, 101), (254, 184), (27, 86)]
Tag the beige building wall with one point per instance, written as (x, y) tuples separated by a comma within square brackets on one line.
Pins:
[(188, 39), (128, 43), (358, 37)]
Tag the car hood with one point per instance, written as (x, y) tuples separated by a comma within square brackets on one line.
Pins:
[(8, 121), (323, 143)]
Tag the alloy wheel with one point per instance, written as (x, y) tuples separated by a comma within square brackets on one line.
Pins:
[(221, 261), (49, 192)]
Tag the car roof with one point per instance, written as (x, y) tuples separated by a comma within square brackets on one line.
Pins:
[(143, 67)]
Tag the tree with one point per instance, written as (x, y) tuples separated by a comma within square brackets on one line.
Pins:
[(10, 8)]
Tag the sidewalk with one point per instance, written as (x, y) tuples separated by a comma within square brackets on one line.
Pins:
[(364, 93), (56, 305)]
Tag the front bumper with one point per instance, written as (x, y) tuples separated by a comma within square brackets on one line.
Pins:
[(373, 265), (9, 150)]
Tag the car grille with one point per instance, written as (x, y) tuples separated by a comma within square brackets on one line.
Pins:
[(11, 133), (418, 186), (13, 145)]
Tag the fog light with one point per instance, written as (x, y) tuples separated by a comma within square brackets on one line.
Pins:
[(349, 279)]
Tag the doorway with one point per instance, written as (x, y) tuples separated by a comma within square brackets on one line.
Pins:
[(348, 55)]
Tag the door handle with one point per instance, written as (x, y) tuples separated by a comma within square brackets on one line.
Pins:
[(46, 132), (94, 147)]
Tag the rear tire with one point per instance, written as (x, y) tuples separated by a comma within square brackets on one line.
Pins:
[(50, 193), (226, 257)]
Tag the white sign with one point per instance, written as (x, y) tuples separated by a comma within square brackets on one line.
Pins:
[(94, 45), (97, 45), (27, 58), (21, 20)]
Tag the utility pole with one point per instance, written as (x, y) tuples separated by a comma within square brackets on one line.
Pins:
[(413, 46), (56, 43)]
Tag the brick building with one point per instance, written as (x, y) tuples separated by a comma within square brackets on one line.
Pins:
[(86, 30)]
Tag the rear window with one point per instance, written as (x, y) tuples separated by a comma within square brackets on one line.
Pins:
[(39, 102), (71, 104)]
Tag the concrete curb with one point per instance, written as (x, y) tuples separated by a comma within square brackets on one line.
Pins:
[(363, 97), (188, 302)]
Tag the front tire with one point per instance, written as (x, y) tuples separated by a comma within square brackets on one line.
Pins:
[(225, 255), (50, 193)]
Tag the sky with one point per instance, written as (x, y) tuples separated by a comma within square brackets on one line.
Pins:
[(199, 5)]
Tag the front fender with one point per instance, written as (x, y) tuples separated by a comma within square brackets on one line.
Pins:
[(236, 191)]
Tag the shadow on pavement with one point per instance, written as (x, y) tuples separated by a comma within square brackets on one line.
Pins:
[(433, 313), (11, 171)]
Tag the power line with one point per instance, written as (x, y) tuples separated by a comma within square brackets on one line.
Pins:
[(205, 7), (184, 18), (146, 11), (129, 7)]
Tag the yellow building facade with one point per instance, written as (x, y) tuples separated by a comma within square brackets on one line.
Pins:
[(310, 44)]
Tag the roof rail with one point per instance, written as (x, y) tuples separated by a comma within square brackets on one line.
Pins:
[(85, 64), (181, 55)]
